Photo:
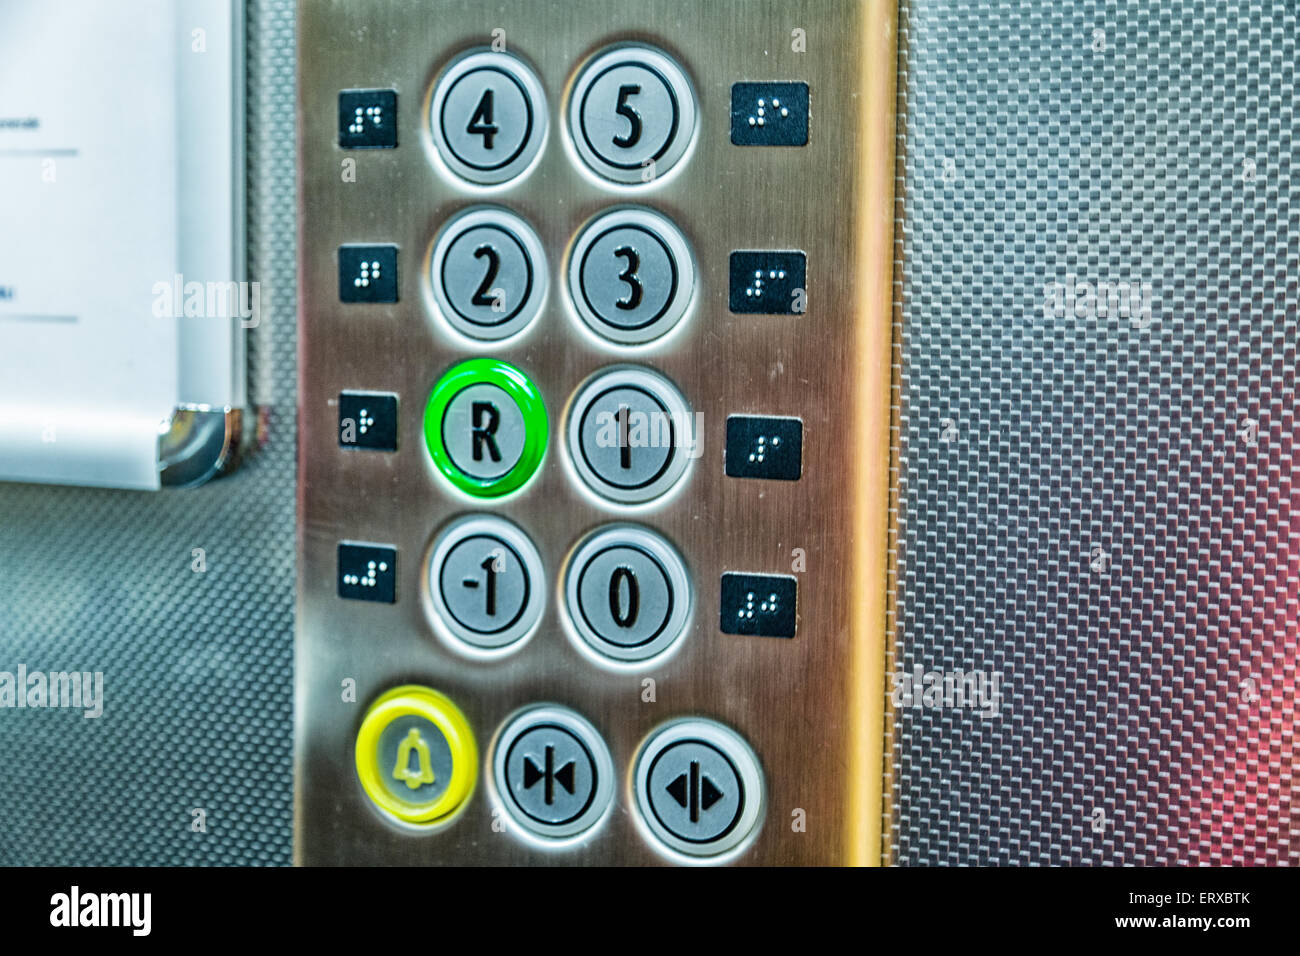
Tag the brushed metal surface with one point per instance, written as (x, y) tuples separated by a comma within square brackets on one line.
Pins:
[(791, 699)]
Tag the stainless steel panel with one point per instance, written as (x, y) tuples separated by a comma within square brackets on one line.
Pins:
[(796, 701)]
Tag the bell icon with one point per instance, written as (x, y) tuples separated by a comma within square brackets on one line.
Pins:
[(413, 743)]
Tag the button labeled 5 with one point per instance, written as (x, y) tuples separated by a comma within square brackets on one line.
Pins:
[(632, 114)]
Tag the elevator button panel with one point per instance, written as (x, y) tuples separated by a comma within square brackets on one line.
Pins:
[(598, 285)]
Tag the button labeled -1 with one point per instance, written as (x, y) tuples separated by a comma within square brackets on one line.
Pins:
[(485, 427), (485, 582)]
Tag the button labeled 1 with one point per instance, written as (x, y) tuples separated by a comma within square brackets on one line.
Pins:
[(553, 772), (627, 594), (632, 114), (699, 788), (486, 583), (488, 117), (488, 273), (631, 276), (485, 427), (630, 434)]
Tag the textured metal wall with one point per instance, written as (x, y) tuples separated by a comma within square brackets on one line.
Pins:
[(198, 667), (1100, 510)]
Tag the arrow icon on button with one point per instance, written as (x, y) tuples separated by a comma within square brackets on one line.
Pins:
[(565, 776), (694, 791)]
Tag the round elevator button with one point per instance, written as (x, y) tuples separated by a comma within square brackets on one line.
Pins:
[(485, 580), (415, 755), (488, 273), (631, 114), (553, 772), (631, 276), (485, 427), (627, 594), (699, 789), (630, 434), (488, 117)]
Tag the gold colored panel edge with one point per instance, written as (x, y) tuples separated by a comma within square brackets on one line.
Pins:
[(874, 238)]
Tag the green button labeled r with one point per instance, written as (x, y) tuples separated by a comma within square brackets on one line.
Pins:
[(485, 426)]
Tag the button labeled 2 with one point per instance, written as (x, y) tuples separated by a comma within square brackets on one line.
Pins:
[(488, 273)]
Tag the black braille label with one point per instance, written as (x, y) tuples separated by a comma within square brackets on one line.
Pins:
[(367, 273), (758, 605), (368, 119), (763, 447), (769, 114), (368, 572), (768, 283), (368, 420)]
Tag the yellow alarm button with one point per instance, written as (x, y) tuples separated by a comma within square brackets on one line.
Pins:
[(416, 756)]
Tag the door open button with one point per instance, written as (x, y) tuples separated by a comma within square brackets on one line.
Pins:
[(699, 788)]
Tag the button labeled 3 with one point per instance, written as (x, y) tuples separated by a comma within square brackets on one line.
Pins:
[(488, 117), (631, 276), (488, 273), (699, 788), (415, 755), (630, 434), (485, 427), (553, 772), (627, 594), (631, 114), (485, 580)]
